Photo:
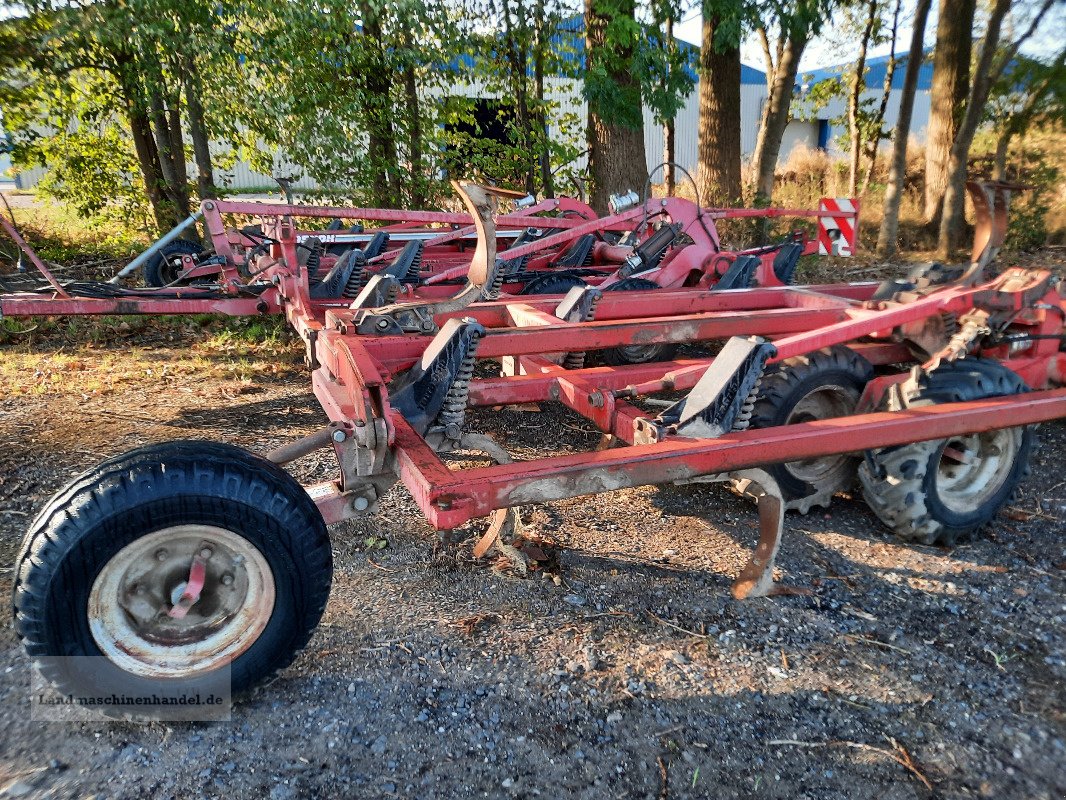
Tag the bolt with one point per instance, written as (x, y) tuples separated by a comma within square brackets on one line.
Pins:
[(206, 552), (360, 504), (227, 579), (383, 323), (161, 554), (339, 436)]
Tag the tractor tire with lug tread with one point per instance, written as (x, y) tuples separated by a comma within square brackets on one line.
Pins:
[(636, 353), (164, 267), (821, 385), (104, 561), (939, 492), (549, 283)]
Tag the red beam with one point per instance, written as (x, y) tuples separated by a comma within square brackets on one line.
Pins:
[(477, 492)]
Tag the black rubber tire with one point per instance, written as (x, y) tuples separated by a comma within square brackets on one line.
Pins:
[(146, 490), (839, 375), (158, 271), (549, 283), (900, 483), (640, 353)]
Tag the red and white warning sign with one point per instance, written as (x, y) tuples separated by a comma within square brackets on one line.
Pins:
[(836, 233)]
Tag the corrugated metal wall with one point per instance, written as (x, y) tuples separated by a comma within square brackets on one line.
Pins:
[(565, 92)]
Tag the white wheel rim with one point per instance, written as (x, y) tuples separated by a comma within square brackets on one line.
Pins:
[(130, 598), (972, 469)]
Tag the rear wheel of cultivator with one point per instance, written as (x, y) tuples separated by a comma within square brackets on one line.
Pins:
[(181, 564), (941, 491), (636, 353), (822, 385), (165, 267)]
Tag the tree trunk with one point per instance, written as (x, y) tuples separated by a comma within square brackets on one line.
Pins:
[(999, 171), (163, 146), (148, 160), (544, 157), (718, 154), (897, 171), (985, 74), (874, 145), (201, 143), (617, 160), (669, 130), (858, 83), (951, 83), (378, 109), (414, 135), (778, 105)]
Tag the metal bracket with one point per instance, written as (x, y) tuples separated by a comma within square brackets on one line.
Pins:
[(718, 398)]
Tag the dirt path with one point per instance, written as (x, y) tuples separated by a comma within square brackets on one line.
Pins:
[(431, 677)]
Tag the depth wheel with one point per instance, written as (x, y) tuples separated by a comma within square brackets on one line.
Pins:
[(172, 564), (552, 284), (165, 267), (942, 491), (822, 385), (636, 353)]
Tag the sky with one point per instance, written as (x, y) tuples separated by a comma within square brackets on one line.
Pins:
[(828, 49)]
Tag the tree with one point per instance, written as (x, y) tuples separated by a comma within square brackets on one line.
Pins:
[(797, 22), (873, 144), (990, 66), (1030, 92), (718, 154), (858, 83), (947, 97), (886, 237), (628, 66)]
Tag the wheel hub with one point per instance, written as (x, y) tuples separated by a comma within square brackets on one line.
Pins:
[(181, 601), (825, 402), (973, 468)]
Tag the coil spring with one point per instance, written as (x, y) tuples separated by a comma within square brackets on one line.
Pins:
[(414, 272), (453, 410), (577, 360), (356, 278), (743, 419), (314, 260)]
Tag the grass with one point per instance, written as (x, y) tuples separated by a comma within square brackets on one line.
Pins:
[(83, 356)]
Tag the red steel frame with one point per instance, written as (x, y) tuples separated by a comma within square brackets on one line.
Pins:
[(352, 372)]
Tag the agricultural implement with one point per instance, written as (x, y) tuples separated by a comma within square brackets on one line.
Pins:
[(177, 561)]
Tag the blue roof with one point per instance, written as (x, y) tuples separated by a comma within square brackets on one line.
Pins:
[(569, 43), (875, 72)]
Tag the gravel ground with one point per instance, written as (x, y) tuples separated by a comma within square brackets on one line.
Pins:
[(902, 672)]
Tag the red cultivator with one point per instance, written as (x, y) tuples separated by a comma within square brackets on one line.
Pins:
[(177, 561)]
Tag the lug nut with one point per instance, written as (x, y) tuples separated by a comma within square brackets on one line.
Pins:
[(227, 579), (161, 554), (207, 552)]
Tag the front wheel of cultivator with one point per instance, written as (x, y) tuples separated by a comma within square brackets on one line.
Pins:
[(636, 353), (940, 491), (165, 267), (822, 385), (185, 564)]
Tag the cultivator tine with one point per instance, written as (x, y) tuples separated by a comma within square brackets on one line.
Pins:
[(435, 389), (717, 401), (579, 305), (417, 317), (757, 577), (991, 202), (379, 291)]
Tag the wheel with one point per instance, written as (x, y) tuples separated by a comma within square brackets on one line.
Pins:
[(821, 385), (941, 491), (108, 564), (550, 283), (163, 268), (636, 353)]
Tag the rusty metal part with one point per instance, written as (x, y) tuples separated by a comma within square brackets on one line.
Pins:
[(991, 202), (131, 601), (757, 577)]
